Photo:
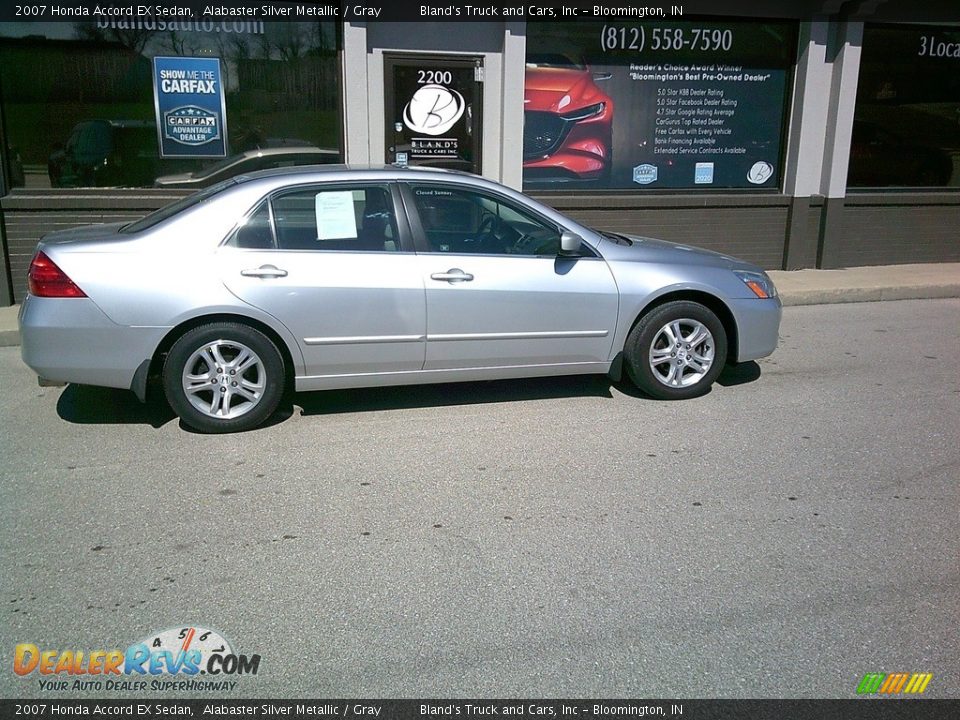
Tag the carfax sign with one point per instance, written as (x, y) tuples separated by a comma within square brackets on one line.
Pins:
[(191, 116)]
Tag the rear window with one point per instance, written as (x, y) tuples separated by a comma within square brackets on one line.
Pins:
[(168, 211)]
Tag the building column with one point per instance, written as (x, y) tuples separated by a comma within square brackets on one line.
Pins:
[(6, 280), (511, 113), (818, 151), (356, 96), (805, 148), (844, 52)]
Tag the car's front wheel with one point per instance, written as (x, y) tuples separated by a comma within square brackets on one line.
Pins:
[(223, 377), (676, 350)]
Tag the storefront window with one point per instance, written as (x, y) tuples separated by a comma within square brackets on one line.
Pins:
[(906, 129), (103, 104), (659, 105)]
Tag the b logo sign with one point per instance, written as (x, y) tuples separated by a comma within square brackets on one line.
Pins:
[(433, 110)]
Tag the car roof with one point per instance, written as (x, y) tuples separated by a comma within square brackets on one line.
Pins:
[(357, 172)]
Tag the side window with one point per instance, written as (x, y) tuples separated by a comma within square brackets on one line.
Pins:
[(256, 233), (463, 221), (357, 219)]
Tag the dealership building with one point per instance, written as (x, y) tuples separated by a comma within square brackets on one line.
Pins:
[(819, 134)]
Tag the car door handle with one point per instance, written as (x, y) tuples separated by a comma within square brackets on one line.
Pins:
[(265, 271), (453, 275)]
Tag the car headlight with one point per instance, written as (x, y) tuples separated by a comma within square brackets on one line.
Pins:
[(759, 282), (587, 112)]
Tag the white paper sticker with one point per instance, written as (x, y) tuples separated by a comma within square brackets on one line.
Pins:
[(335, 216)]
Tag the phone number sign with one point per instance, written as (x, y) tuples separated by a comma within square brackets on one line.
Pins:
[(189, 101)]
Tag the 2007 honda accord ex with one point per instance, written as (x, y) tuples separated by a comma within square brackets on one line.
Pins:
[(319, 278)]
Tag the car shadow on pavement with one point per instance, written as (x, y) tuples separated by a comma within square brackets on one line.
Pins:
[(330, 402), (89, 405), (740, 374), (730, 375)]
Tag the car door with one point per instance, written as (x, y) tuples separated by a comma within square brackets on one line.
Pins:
[(332, 264), (498, 292)]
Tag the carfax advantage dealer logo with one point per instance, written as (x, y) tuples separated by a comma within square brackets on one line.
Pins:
[(894, 683), (168, 660)]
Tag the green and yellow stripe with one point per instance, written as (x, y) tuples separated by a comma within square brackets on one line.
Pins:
[(894, 683)]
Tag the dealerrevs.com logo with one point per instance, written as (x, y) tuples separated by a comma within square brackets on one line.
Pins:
[(184, 659)]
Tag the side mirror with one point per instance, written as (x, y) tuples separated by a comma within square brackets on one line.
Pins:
[(570, 243)]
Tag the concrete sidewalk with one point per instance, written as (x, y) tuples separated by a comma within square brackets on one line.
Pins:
[(797, 287), (868, 284)]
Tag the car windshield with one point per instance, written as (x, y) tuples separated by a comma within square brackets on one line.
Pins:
[(168, 211)]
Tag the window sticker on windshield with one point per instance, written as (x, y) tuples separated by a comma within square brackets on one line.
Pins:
[(335, 216)]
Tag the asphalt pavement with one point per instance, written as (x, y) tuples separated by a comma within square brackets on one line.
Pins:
[(781, 536), (797, 287)]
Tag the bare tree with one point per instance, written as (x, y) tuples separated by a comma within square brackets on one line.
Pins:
[(133, 38), (177, 42)]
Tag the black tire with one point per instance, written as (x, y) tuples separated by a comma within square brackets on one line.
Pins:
[(685, 380), (248, 383)]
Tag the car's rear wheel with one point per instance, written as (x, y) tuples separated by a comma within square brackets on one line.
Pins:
[(676, 351), (223, 377)]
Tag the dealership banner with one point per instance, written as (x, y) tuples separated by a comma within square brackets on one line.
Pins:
[(189, 101), (656, 105)]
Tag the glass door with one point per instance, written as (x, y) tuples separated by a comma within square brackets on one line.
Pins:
[(433, 111)]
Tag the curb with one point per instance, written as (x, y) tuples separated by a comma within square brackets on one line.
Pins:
[(9, 338), (833, 296)]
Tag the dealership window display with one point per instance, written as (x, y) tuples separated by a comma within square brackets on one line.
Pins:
[(906, 130), (692, 105), (125, 104)]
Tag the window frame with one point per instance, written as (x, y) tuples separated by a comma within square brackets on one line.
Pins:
[(404, 237), (228, 241), (422, 244)]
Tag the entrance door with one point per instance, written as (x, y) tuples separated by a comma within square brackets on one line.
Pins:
[(433, 111)]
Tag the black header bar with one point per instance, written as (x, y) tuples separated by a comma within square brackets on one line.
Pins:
[(143, 12)]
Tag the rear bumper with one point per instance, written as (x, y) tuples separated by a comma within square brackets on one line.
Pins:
[(758, 327), (71, 340)]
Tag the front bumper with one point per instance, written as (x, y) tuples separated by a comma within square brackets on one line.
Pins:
[(758, 326), (71, 340)]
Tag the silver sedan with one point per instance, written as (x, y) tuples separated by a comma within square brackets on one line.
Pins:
[(320, 278)]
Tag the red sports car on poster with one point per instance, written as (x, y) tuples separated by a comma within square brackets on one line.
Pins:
[(567, 121)]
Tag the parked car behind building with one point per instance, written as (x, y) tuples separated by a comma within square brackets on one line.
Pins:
[(106, 153), (246, 162)]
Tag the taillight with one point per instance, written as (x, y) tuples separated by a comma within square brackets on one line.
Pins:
[(45, 279)]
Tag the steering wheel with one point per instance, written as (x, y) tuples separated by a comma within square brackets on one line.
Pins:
[(488, 224), (487, 238)]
